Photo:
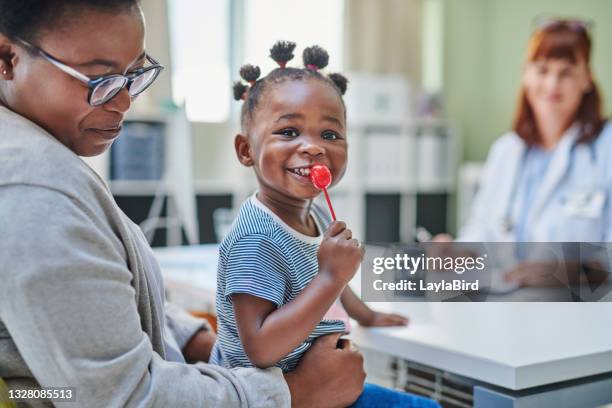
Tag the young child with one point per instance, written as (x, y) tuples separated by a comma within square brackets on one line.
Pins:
[(282, 282)]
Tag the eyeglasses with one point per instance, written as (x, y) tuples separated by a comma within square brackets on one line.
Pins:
[(104, 88), (547, 22)]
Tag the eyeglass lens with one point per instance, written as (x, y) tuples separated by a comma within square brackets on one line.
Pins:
[(142, 82), (107, 89)]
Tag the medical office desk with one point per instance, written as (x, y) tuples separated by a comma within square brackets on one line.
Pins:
[(514, 355)]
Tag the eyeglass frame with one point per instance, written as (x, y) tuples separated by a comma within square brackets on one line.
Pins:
[(93, 83), (544, 21)]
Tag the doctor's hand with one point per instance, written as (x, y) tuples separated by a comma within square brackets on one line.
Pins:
[(440, 245), (442, 238), (544, 274), (330, 374), (443, 246)]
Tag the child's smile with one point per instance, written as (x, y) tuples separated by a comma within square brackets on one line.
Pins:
[(299, 124), (302, 173)]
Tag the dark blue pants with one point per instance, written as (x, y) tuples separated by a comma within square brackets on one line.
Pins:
[(375, 396)]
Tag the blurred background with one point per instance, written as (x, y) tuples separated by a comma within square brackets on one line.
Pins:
[(432, 84)]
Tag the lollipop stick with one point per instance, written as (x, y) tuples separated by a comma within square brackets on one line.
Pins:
[(329, 204)]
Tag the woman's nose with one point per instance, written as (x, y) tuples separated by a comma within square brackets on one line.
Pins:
[(119, 103), (552, 81)]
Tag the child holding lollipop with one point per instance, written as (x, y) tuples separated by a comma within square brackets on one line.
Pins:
[(283, 267)]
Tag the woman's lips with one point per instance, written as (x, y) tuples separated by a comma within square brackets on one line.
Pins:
[(108, 133), (553, 98)]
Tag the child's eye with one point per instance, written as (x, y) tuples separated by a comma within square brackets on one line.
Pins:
[(330, 135), (289, 132)]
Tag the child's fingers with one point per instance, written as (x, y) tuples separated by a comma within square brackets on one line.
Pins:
[(335, 228), (363, 250), (391, 319), (347, 234), (392, 323), (400, 320), (394, 317), (355, 242)]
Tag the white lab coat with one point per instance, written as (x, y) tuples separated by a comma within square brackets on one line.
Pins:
[(573, 203)]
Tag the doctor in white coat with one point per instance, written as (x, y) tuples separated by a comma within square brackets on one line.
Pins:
[(550, 178)]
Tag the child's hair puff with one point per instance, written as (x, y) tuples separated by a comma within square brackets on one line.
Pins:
[(282, 52), (314, 59)]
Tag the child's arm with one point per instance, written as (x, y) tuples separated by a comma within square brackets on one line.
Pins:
[(366, 316), (269, 334)]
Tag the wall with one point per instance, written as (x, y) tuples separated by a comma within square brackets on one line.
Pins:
[(384, 37), (484, 46)]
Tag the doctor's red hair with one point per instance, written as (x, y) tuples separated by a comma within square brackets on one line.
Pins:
[(569, 40)]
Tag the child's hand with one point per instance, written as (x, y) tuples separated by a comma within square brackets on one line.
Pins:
[(339, 254), (379, 319)]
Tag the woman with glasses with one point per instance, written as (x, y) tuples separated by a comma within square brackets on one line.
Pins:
[(81, 296), (550, 178)]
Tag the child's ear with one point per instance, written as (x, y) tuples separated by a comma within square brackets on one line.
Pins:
[(243, 150)]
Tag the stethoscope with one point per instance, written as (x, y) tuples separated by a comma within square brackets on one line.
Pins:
[(508, 222)]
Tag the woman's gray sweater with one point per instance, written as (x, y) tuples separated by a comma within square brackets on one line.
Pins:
[(81, 295)]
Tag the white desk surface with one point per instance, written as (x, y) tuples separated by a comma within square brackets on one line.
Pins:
[(512, 345)]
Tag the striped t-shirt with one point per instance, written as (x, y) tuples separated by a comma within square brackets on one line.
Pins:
[(264, 257)]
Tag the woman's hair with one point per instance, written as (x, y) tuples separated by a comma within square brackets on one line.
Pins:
[(26, 19), (315, 58), (561, 39)]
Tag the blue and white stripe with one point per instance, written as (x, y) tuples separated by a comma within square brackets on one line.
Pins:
[(264, 257)]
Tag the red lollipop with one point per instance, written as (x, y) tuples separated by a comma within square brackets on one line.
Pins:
[(321, 178)]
